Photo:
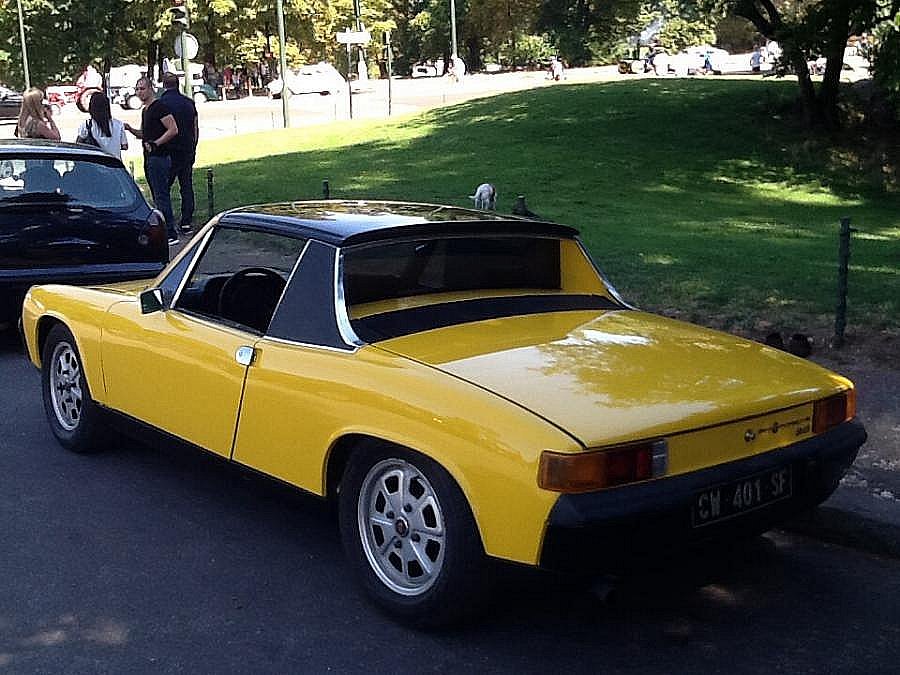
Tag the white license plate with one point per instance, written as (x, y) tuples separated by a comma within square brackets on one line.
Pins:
[(729, 500)]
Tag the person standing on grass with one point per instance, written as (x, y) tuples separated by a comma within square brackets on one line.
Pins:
[(184, 146), (102, 129), (158, 128)]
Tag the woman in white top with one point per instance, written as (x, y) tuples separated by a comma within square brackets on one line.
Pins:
[(102, 130)]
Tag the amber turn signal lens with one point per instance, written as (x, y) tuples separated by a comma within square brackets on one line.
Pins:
[(834, 410), (600, 469)]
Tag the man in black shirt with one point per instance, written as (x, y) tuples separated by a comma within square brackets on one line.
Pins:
[(184, 146), (158, 128)]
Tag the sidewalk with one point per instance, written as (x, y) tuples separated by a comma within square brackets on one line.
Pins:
[(864, 512)]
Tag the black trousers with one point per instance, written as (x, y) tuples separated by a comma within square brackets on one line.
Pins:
[(183, 172)]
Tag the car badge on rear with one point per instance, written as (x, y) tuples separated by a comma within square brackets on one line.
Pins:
[(801, 426)]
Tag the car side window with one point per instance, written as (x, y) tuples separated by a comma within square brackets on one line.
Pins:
[(240, 277)]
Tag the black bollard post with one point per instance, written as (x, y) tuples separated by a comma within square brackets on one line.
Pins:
[(840, 318), (520, 208), (326, 190), (210, 192)]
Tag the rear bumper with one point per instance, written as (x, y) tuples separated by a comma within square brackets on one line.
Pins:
[(601, 529)]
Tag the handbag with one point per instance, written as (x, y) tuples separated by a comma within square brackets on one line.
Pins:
[(89, 139)]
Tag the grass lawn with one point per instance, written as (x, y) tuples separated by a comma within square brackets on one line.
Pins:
[(695, 196)]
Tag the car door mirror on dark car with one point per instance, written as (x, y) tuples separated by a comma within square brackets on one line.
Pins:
[(151, 301)]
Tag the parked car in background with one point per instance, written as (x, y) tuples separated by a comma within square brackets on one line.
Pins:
[(462, 383), (10, 103), (856, 65), (424, 70), (320, 78), (204, 92), (705, 58), (71, 214), (128, 99), (61, 95)]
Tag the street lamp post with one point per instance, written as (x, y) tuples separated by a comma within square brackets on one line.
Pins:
[(453, 28), (24, 48), (285, 92)]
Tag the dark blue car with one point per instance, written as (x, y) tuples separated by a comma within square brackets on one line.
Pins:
[(71, 214)]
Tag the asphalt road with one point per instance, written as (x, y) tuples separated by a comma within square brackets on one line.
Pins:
[(162, 560)]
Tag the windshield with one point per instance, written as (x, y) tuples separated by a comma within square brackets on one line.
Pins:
[(73, 180)]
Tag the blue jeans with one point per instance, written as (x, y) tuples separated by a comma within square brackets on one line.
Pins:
[(183, 170), (156, 169)]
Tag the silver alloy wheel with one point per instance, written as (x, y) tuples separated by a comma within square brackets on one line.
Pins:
[(65, 386), (401, 527)]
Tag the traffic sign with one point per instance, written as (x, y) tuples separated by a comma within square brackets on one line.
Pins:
[(190, 43), (354, 37)]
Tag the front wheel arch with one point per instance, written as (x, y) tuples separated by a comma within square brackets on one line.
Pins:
[(45, 325)]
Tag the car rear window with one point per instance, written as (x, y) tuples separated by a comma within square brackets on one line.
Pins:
[(76, 180), (404, 268)]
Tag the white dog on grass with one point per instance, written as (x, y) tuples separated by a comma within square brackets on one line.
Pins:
[(485, 197)]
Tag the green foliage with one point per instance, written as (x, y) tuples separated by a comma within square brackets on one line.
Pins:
[(583, 29), (886, 58), (735, 34), (678, 33), (526, 50)]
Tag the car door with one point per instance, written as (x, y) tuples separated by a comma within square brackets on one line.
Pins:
[(308, 378), (182, 369)]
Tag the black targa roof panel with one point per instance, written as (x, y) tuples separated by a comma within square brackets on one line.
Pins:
[(350, 223)]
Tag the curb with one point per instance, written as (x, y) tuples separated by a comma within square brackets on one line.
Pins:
[(856, 518)]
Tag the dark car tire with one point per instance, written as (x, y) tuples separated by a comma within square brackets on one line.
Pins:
[(436, 522), (74, 418)]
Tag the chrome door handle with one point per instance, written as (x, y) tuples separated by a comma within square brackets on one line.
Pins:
[(244, 355)]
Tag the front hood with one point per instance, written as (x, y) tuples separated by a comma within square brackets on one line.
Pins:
[(608, 377)]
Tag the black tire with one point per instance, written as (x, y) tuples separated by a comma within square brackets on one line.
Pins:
[(457, 586), (73, 416)]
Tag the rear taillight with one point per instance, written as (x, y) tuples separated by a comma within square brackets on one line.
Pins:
[(598, 469), (154, 234), (834, 410)]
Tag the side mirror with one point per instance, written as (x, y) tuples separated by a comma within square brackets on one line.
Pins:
[(151, 301)]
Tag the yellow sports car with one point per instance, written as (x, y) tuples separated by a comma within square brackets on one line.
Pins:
[(466, 385)]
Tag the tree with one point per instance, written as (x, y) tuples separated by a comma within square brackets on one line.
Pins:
[(885, 55), (584, 28), (806, 29)]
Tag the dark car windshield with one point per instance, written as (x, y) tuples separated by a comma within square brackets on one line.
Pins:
[(76, 180)]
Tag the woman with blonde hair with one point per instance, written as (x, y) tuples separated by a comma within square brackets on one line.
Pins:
[(35, 119)]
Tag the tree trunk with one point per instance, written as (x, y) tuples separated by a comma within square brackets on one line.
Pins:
[(473, 47), (838, 33), (211, 35), (807, 89), (830, 89)]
